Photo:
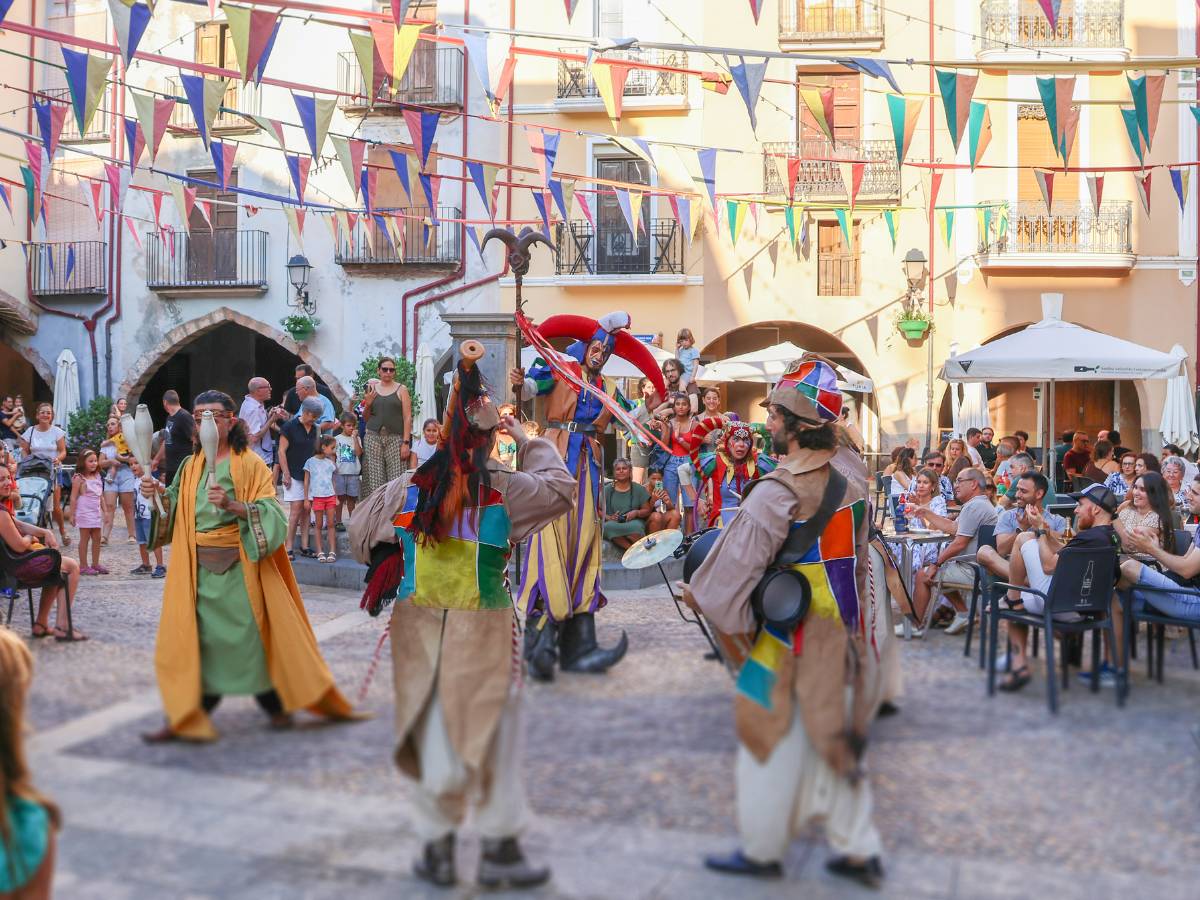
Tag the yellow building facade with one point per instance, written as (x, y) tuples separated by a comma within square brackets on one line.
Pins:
[(1120, 270)]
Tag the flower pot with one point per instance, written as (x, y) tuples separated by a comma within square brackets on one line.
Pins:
[(913, 329), (300, 335)]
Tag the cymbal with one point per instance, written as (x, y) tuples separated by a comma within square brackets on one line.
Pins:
[(653, 548)]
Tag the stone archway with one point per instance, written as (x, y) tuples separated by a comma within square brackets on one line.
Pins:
[(153, 359), (32, 357)]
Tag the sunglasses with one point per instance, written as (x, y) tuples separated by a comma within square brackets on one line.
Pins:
[(387, 368)]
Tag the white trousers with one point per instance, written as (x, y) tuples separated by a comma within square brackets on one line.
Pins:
[(447, 788), (794, 785)]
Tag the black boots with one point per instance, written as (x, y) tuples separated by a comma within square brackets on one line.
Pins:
[(571, 643), (503, 865), (436, 863), (579, 651)]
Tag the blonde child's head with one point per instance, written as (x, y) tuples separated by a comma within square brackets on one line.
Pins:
[(87, 463), (684, 338), (349, 425)]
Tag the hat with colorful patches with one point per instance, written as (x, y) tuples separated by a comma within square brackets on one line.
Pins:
[(808, 389)]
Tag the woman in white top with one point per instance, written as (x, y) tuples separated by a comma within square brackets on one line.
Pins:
[(925, 494), (904, 471), (47, 441)]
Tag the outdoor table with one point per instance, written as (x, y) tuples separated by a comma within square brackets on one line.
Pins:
[(905, 542)]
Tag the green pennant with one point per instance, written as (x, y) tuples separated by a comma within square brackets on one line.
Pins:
[(32, 194), (1049, 95), (789, 216), (843, 220), (1137, 89), (1129, 116), (891, 216), (947, 225)]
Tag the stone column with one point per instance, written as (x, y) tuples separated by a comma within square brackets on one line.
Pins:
[(498, 334)]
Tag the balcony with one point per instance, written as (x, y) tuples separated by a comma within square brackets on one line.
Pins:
[(423, 245), (433, 78), (644, 88), (97, 130), (842, 24), (239, 98), (227, 262), (584, 250), (820, 178), (50, 274), (1074, 238), (1015, 30)]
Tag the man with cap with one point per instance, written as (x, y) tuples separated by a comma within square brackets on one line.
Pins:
[(805, 692), (560, 576), (1035, 556)]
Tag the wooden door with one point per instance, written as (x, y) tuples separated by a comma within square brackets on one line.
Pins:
[(213, 256), (614, 247), (1083, 405), (1035, 147)]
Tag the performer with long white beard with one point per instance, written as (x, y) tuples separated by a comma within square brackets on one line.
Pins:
[(805, 692)]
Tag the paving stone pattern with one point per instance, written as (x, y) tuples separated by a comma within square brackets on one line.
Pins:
[(629, 775)]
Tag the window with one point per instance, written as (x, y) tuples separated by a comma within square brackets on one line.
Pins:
[(837, 265), (847, 106), (1036, 148), (213, 256), (615, 249)]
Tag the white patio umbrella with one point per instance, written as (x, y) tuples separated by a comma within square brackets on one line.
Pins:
[(767, 366), (973, 413), (1179, 412), (616, 367), (66, 388), (425, 389)]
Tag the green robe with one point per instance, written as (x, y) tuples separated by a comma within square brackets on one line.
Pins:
[(232, 659)]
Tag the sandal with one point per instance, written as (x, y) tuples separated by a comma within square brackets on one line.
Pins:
[(308, 554), (330, 557), (292, 555), (41, 631), (76, 635), (322, 558), (1016, 680)]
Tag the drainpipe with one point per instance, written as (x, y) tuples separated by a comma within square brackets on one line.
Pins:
[(1196, 352), (461, 269), (929, 337), (115, 269)]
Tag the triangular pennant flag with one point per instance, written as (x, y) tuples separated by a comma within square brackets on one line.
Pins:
[(1136, 141), (331, 222), (345, 226), (610, 85), (298, 167), (137, 238), (931, 191), (402, 163), (1142, 183), (1051, 8), (707, 159), (483, 177), (7, 200), (366, 182), (1179, 181), (979, 131), (204, 96), (904, 114), (892, 217), (1049, 94), (91, 198), (585, 207), (1195, 113), (350, 152), (70, 262), (135, 141), (876, 68), (395, 233), (844, 221), (947, 225), (154, 114), (473, 236), (1070, 127), (422, 126), (630, 202), (756, 8), (205, 207), (682, 208), (315, 116), (749, 80), (183, 202), (118, 186), (957, 89), (412, 175), (222, 156), (563, 193), (33, 194), (539, 200), (369, 64), (86, 78), (431, 185), (129, 22), (399, 11), (820, 104), (735, 212), (394, 47), (252, 32), (544, 145), (1095, 183), (368, 234), (1045, 182), (475, 43), (1064, 93), (570, 4), (295, 218), (789, 218), (156, 200), (1147, 91), (51, 117), (852, 177), (33, 154)]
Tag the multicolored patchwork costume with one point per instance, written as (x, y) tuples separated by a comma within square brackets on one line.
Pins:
[(729, 478)]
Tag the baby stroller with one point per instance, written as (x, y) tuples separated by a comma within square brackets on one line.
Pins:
[(35, 482)]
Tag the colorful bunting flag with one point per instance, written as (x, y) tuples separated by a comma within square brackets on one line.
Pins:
[(154, 114), (33, 194), (184, 199), (369, 64), (204, 206), (563, 193), (92, 196), (844, 221), (1070, 127), (135, 141), (118, 186), (544, 145), (394, 47), (204, 96), (335, 236), (401, 162), (892, 218), (904, 114), (957, 89), (1095, 185), (1147, 92), (852, 177), (682, 208), (86, 78), (876, 68), (585, 207), (979, 131), (34, 156), (789, 218), (1129, 117), (570, 4), (630, 202), (350, 152), (483, 176), (1142, 183), (137, 238), (422, 126), (298, 167), (222, 157), (129, 22), (1051, 9), (295, 219), (70, 262), (947, 225), (707, 159), (432, 185), (473, 236), (1179, 181), (756, 8), (399, 11), (820, 104), (735, 212), (1045, 182), (475, 43), (539, 200), (252, 33), (367, 180), (315, 116), (610, 79), (50, 117), (749, 80)]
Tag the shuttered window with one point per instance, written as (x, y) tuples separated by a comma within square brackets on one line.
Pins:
[(847, 105), (838, 269), (1036, 148)]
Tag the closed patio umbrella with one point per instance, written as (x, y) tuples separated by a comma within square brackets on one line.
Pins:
[(66, 388), (1178, 424), (973, 413), (424, 389)]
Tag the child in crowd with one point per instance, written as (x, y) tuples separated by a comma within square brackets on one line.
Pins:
[(27, 840), (425, 446), (686, 353), (347, 477), (84, 512), (319, 495), (141, 510)]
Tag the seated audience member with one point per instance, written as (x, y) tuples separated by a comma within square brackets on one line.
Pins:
[(1022, 441), (1035, 558), (1114, 438), (903, 471), (1102, 463), (924, 495), (1028, 493), (935, 461), (1076, 460), (970, 489), (1182, 569), (1004, 452), (1174, 472), (1146, 462), (1120, 481), (956, 458), (1175, 451), (1148, 507), (663, 514), (1018, 465), (987, 450), (626, 507), (974, 437)]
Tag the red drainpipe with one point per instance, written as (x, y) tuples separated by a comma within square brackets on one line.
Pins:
[(115, 270), (461, 269), (1196, 352)]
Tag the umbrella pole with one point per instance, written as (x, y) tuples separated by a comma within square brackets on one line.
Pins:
[(1051, 462)]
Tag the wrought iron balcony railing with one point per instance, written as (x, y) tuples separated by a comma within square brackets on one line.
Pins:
[(1074, 227), (239, 98), (820, 177), (71, 267), (575, 81), (224, 258), (1019, 24), (611, 250), (830, 20), (97, 129), (433, 78), (422, 243)]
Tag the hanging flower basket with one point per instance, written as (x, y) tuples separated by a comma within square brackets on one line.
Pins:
[(300, 327), (913, 329)]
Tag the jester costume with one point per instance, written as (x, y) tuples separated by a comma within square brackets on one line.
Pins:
[(455, 642), (804, 698), (728, 475), (560, 578)]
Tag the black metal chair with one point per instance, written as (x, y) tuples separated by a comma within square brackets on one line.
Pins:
[(1156, 622), (33, 570), (1083, 583), (984, 537)]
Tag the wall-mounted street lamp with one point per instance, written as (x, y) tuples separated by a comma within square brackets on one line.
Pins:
[(298, 271)]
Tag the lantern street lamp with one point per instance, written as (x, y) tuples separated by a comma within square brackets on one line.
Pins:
[(298, 270)]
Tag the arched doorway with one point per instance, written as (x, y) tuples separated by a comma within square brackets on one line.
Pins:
[(23, 372), (222, 350), (1078, 405), (743, 398)]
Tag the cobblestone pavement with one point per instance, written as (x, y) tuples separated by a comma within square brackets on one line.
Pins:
[(629, 775)]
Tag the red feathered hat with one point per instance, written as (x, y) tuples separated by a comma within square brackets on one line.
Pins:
[(612, 331)]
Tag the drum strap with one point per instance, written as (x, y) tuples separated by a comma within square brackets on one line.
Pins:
[(800, 540)]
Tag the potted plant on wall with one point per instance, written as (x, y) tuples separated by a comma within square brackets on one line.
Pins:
[(913, 322), (301, 326)]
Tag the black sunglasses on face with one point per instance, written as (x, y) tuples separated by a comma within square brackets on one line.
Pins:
[(386, 369)]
